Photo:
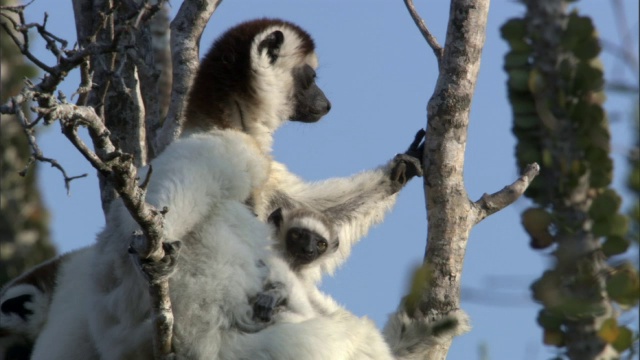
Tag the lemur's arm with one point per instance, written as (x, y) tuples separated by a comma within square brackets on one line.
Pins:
[(352, 204)]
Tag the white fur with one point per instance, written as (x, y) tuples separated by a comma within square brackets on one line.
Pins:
[(404, 337), (202, 184), (65, 334), (32, 325), (363, 337), (204, 179), (340, 336), (410, 339), (369, 191), (276, 81), (311, 224)]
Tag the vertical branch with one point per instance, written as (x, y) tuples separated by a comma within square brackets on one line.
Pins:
[(448, 206), (186, 29), (160, 41), (119, 169), (450, 212), (143, 57), (124, 108), (94, 24)]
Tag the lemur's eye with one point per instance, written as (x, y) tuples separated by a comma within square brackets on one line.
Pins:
[(294, 234), (307, 76), (322, 245)]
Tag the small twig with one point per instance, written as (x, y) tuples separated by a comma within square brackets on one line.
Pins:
[(86, 84), (36, 153), (147, 12), (147, 178), (23, 45), (431, 40), (489, 204)]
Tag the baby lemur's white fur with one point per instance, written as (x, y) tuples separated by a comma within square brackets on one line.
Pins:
[(257, 76), (305, 240)]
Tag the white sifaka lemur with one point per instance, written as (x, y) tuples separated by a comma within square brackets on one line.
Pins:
[(257, 76), (305, 239)]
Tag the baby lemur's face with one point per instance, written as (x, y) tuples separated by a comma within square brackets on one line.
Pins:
[(304, 236), (304, 246)]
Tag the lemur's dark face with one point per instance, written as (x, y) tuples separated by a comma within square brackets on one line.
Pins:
[(305, 246), (311, 103)]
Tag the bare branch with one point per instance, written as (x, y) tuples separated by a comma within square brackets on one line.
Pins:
[(450, 213), (13, 107), (161, 44), (150, 247), (431, 40), (186, 29), (490, 204), (116, 167), (24, 44)]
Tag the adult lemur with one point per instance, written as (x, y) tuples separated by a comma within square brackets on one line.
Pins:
[(257, 76)]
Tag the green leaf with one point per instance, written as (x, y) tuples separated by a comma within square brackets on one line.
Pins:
[(580, 37), (602, 177), (609, 330), (615, 245), (514, 29), (545, 289), (605, 205), (588, 78), (553, 338), (624, 339), (518, 80), (516, 60), (549, 320), (619, 225), (526, 121), (615, 225), (578, 168), (547, 158), (587, 48), (522, 104), (419, 282), (624, 286), (587, 115), (527, 152), (536, 222)]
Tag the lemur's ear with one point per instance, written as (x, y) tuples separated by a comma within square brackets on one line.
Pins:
[(276, 218), (17, 305), (271, 44)]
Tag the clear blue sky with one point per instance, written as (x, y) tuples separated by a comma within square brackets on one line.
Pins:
[(378, 72)]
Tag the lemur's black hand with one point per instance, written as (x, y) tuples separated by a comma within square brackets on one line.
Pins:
[(408, 165), (416, 149), (156, 271), (264, 307)]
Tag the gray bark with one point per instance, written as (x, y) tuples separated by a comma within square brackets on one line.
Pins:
[(451, 214), (186, 29)]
